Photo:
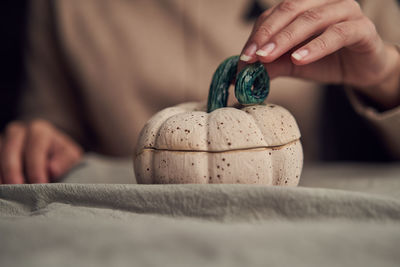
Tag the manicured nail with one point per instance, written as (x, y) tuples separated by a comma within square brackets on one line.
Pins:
[(244, 58), (266, 50), (300, 54), (248, 53)]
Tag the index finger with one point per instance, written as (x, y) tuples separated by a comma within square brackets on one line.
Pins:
[(281, 16)]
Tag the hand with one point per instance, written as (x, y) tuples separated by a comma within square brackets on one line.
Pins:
[(326, 41), (36, 153)]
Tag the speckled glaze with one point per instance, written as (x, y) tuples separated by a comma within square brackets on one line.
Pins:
[(252, 145), (197, 143)]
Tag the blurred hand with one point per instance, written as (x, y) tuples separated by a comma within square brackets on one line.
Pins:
[(36, 153), (326, 41)]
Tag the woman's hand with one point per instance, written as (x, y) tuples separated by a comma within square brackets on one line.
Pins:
[(326, 41), (36, 153)]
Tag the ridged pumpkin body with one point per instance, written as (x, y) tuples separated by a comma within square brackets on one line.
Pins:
[(256, 144)]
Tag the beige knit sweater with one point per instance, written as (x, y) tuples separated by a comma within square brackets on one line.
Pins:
[(98, 69)]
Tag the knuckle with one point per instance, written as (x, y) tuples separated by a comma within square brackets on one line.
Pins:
[(369, 27), (321, 44), (355, 5), (261, 19), (263, 16), (288, 6), (285, 36), (341, 31), (311, 15), (38, 125), (265, 30), (368, 34)]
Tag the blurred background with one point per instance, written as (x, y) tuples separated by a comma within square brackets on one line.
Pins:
[(338, 112), (12, 32)]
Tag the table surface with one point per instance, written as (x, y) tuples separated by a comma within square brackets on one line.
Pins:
[(203, 225), (383, 179)]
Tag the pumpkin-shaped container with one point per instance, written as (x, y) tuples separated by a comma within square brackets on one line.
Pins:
[(195, 143)]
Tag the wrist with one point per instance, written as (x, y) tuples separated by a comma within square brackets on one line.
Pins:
[(386, 92)]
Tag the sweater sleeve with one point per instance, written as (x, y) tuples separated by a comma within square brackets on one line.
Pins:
[(387, 122), (386, 18), (48, 92)]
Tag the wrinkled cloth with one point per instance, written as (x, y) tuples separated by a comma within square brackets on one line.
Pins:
[(341, 215), (193, 225)]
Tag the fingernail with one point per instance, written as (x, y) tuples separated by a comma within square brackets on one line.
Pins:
[(244, 58), (266, 50), (249, 52), (300, 54)]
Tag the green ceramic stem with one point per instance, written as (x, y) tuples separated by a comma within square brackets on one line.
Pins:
[(251, 88)]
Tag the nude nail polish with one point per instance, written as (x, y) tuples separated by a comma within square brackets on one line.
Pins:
[(248, 52), (300, 54), (266, 50)]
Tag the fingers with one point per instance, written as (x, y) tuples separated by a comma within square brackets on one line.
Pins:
[(65, 154), (250, 48), (310, 23), (37, 151), (337, 36), (270, 24), (11, 154)]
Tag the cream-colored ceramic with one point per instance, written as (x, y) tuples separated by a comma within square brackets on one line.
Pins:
[(257, 144)]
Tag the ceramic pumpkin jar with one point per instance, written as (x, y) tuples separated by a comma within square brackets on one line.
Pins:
[(198, 143)]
